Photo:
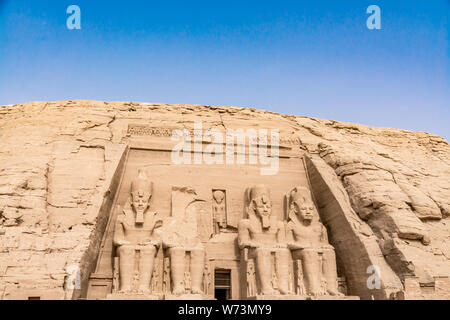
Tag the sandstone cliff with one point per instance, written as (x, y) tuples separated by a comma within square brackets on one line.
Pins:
[(57, 160)]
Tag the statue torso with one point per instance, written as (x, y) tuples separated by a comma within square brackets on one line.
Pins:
[(309, 236), (263, 236), (136, 233)]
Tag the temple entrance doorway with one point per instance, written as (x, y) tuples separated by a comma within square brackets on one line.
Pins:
[(222, 284)]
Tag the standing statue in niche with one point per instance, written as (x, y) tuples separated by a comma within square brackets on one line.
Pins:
[(219, 211), (135, 233), (264, 237), (308, 241)]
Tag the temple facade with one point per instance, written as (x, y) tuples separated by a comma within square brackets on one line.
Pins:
[(120, 200), (214, 231)]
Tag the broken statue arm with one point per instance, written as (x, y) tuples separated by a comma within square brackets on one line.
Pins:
[(244, 239), (119, 235)]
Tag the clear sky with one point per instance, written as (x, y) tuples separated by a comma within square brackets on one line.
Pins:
[(313, 58)]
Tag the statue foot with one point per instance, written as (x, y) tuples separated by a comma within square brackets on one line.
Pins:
[(268, 292), (178, 291), (143, 290), (334, 292), (126, 289), (317, 293), (196, 290), (283, 291)]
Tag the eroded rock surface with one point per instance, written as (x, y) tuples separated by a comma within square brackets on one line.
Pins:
[(58, 159)]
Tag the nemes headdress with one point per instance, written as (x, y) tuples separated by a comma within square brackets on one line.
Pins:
[(298, 195), (259, 191), (255, 192), (142, 184)]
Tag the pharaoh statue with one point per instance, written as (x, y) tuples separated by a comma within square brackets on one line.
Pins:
[(308, 241), (263, 235), (134, 233), (219, 211), (182, 244)]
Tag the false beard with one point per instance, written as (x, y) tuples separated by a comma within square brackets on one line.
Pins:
[(140, 216), (265, 222)]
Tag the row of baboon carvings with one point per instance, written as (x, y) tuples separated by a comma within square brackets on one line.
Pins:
[(277, 257)]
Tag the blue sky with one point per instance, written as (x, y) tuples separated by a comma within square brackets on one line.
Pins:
[(312, 58)]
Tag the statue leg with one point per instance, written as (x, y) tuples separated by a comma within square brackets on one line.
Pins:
[(330, 272), (177, 260), (216, 226), (311, 270), (197, 267), (264, 270), (282, 262), (146, 262), (126, 267)]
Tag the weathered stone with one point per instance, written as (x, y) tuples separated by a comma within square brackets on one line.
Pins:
[(382, 194)]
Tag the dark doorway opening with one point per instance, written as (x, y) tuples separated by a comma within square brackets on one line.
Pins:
[(222, 284), (221, 294)]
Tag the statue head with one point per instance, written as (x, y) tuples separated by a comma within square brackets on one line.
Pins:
[(218, 195), (141, 193), (261, 204), (301, 205)]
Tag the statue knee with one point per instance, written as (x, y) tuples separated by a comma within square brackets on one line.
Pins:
[(126, 250), (262, 251), (282, 252), (149, 250), (177, 252), (197, 253), (329, 254), (263, 255), (309, 254)]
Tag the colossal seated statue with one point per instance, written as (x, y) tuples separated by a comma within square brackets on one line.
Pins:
[(308, 241), (135, 233), (182, 244), (263, 235)]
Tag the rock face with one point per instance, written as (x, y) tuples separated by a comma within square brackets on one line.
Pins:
[(382, 194)]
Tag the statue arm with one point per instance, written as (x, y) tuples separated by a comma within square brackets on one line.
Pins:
[(157, 232), (155, 238), (289, 237), (119, 236), (324, 235), (169, 238), (244, 239), (157, 222), (324, 238), (292, 244), (281, 235)]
